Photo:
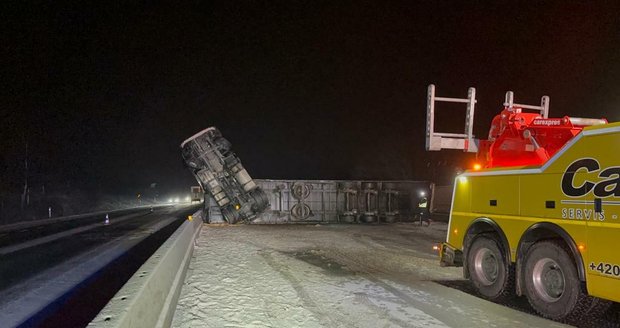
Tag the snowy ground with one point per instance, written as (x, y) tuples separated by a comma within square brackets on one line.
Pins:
[(330, 276)]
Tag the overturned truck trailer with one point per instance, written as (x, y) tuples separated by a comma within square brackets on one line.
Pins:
[(220, 173)]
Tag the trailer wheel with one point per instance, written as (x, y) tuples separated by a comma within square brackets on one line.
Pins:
[(230, 215), (488, 269), (552, 284)]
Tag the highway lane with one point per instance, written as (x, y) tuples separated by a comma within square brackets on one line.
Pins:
[(21, 232), (46, 269), (20, 265)]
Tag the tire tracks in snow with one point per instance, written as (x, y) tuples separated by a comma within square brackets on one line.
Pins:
[(325, 317)]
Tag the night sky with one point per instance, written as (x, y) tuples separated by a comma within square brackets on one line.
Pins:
[(104, 94)]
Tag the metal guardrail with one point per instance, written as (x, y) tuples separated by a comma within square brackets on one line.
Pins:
[(150, 296)]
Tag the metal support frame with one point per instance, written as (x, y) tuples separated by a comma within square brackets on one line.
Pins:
[(439, 140), (543, 108)]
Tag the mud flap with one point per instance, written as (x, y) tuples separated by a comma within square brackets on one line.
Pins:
[(450, 256)]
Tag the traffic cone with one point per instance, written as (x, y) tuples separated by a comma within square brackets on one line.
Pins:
[(107, 220)]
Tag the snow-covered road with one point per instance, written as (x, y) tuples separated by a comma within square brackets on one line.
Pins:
[(330, 276)]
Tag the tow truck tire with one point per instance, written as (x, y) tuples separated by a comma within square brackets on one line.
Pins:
[(488, 269), (552, 283)]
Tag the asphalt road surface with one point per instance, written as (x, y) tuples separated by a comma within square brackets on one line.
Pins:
[(47, 283)]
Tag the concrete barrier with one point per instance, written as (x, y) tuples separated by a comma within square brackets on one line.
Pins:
[(150, 296)]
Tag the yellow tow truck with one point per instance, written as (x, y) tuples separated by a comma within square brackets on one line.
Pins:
[(540, 216)]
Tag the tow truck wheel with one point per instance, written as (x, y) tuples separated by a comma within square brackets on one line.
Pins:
[(488, 270), (551, 282)]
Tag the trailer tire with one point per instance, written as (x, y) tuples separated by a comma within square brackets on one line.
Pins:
[(552, 284), (489, 270), (230, 215)]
